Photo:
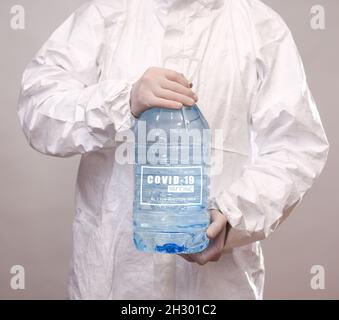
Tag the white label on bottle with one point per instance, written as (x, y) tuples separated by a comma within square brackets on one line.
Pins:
[(171, 186)]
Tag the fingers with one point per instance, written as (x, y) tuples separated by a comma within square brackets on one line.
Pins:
[(164, 103), (187, 257), (217, 233), (179, 88), (218, 224), (213, 252), (174, 96), (159, 87), (177, 77)]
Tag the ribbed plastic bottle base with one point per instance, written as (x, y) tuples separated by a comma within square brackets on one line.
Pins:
[(171, 243)]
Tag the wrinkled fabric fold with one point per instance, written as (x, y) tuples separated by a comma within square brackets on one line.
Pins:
[(64, 108), (291, 147)]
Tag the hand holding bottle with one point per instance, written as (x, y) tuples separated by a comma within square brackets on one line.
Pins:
[(217, 233), (163, 88)]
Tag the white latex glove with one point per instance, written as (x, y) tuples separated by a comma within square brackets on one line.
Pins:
[(163, 88), (217, 233)]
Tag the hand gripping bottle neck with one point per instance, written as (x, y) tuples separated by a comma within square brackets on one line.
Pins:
[(186, 65)]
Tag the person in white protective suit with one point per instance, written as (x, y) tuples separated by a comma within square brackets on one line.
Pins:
[(104, 66)]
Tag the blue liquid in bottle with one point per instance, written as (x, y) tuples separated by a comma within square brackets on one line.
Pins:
[(172, 151)]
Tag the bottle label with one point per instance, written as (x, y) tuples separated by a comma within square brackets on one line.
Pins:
[(171, 186)]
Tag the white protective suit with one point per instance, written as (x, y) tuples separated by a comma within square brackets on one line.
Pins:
[(251, 83)]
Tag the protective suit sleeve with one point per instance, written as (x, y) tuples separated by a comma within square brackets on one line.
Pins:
[(64, 108), (290, 143)]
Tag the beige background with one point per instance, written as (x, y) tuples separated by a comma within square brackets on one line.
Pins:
[(36, 192)]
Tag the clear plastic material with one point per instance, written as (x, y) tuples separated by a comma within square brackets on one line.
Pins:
[(172, 152)]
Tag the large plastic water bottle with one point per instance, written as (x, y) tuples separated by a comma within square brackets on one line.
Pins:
[(172, 153)]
